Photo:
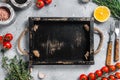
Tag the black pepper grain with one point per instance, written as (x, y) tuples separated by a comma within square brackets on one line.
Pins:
[(20, 1)]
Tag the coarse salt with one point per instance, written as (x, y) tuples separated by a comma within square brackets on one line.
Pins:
[(4, 14)]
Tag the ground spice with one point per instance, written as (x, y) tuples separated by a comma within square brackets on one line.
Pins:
[(20, 1), (4, 14)]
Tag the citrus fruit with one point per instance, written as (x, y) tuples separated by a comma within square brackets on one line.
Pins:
[(101, 13)]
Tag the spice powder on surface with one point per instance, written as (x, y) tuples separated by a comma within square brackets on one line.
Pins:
[(4, 14)]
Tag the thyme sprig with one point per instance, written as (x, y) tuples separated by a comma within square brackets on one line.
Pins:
[(113, 5)]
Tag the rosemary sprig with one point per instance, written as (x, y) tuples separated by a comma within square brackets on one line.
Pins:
[(16, 69), (113, 5)]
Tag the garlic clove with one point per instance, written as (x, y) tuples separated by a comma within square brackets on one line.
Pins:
[(85, 1), (41, 75)]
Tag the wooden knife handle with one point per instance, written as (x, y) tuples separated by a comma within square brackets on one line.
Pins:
[(109, 54), (116, 54)]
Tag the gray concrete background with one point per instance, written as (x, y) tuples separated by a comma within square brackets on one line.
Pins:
[(58, 8)]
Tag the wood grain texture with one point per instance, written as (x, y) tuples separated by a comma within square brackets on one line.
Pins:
[(68, 8), (116, 54), (56, 44), (109, 54)]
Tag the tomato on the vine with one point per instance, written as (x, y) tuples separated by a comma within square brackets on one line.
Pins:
[(111, 77), (1, 39), (117, 75), (47, 1), (91, 76), (40, 4), (105, 69), (111, 68), (83, 77), (7, 45), (98, 73), (8, 37), (104, 78), (117, 65)]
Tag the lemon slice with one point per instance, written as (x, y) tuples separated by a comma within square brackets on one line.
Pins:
[(102, 13)]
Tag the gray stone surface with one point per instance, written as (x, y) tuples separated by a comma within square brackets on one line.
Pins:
[(58, 8)]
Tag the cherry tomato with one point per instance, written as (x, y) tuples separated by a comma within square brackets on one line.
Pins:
[(7, 45), (40, 4), (98, 73), (1, 39), (47, 1), (8, 37), (117, 75), (111, 77), (104, 78), (91, 76), (83, 77), (112, 68), (117, 65), (105, 69)]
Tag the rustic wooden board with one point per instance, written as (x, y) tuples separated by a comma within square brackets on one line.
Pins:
[(60, 41)]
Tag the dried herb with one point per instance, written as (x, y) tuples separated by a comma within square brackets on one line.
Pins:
[(16, 68), (113, 5)]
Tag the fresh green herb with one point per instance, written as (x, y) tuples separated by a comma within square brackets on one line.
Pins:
[(113, 5), (16, 68)]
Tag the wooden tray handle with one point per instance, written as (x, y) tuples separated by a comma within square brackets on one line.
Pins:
[(95, 29), (101, 40), (100, 35), (19, 41)]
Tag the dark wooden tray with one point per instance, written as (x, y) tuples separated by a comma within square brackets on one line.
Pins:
[(61, 40)]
